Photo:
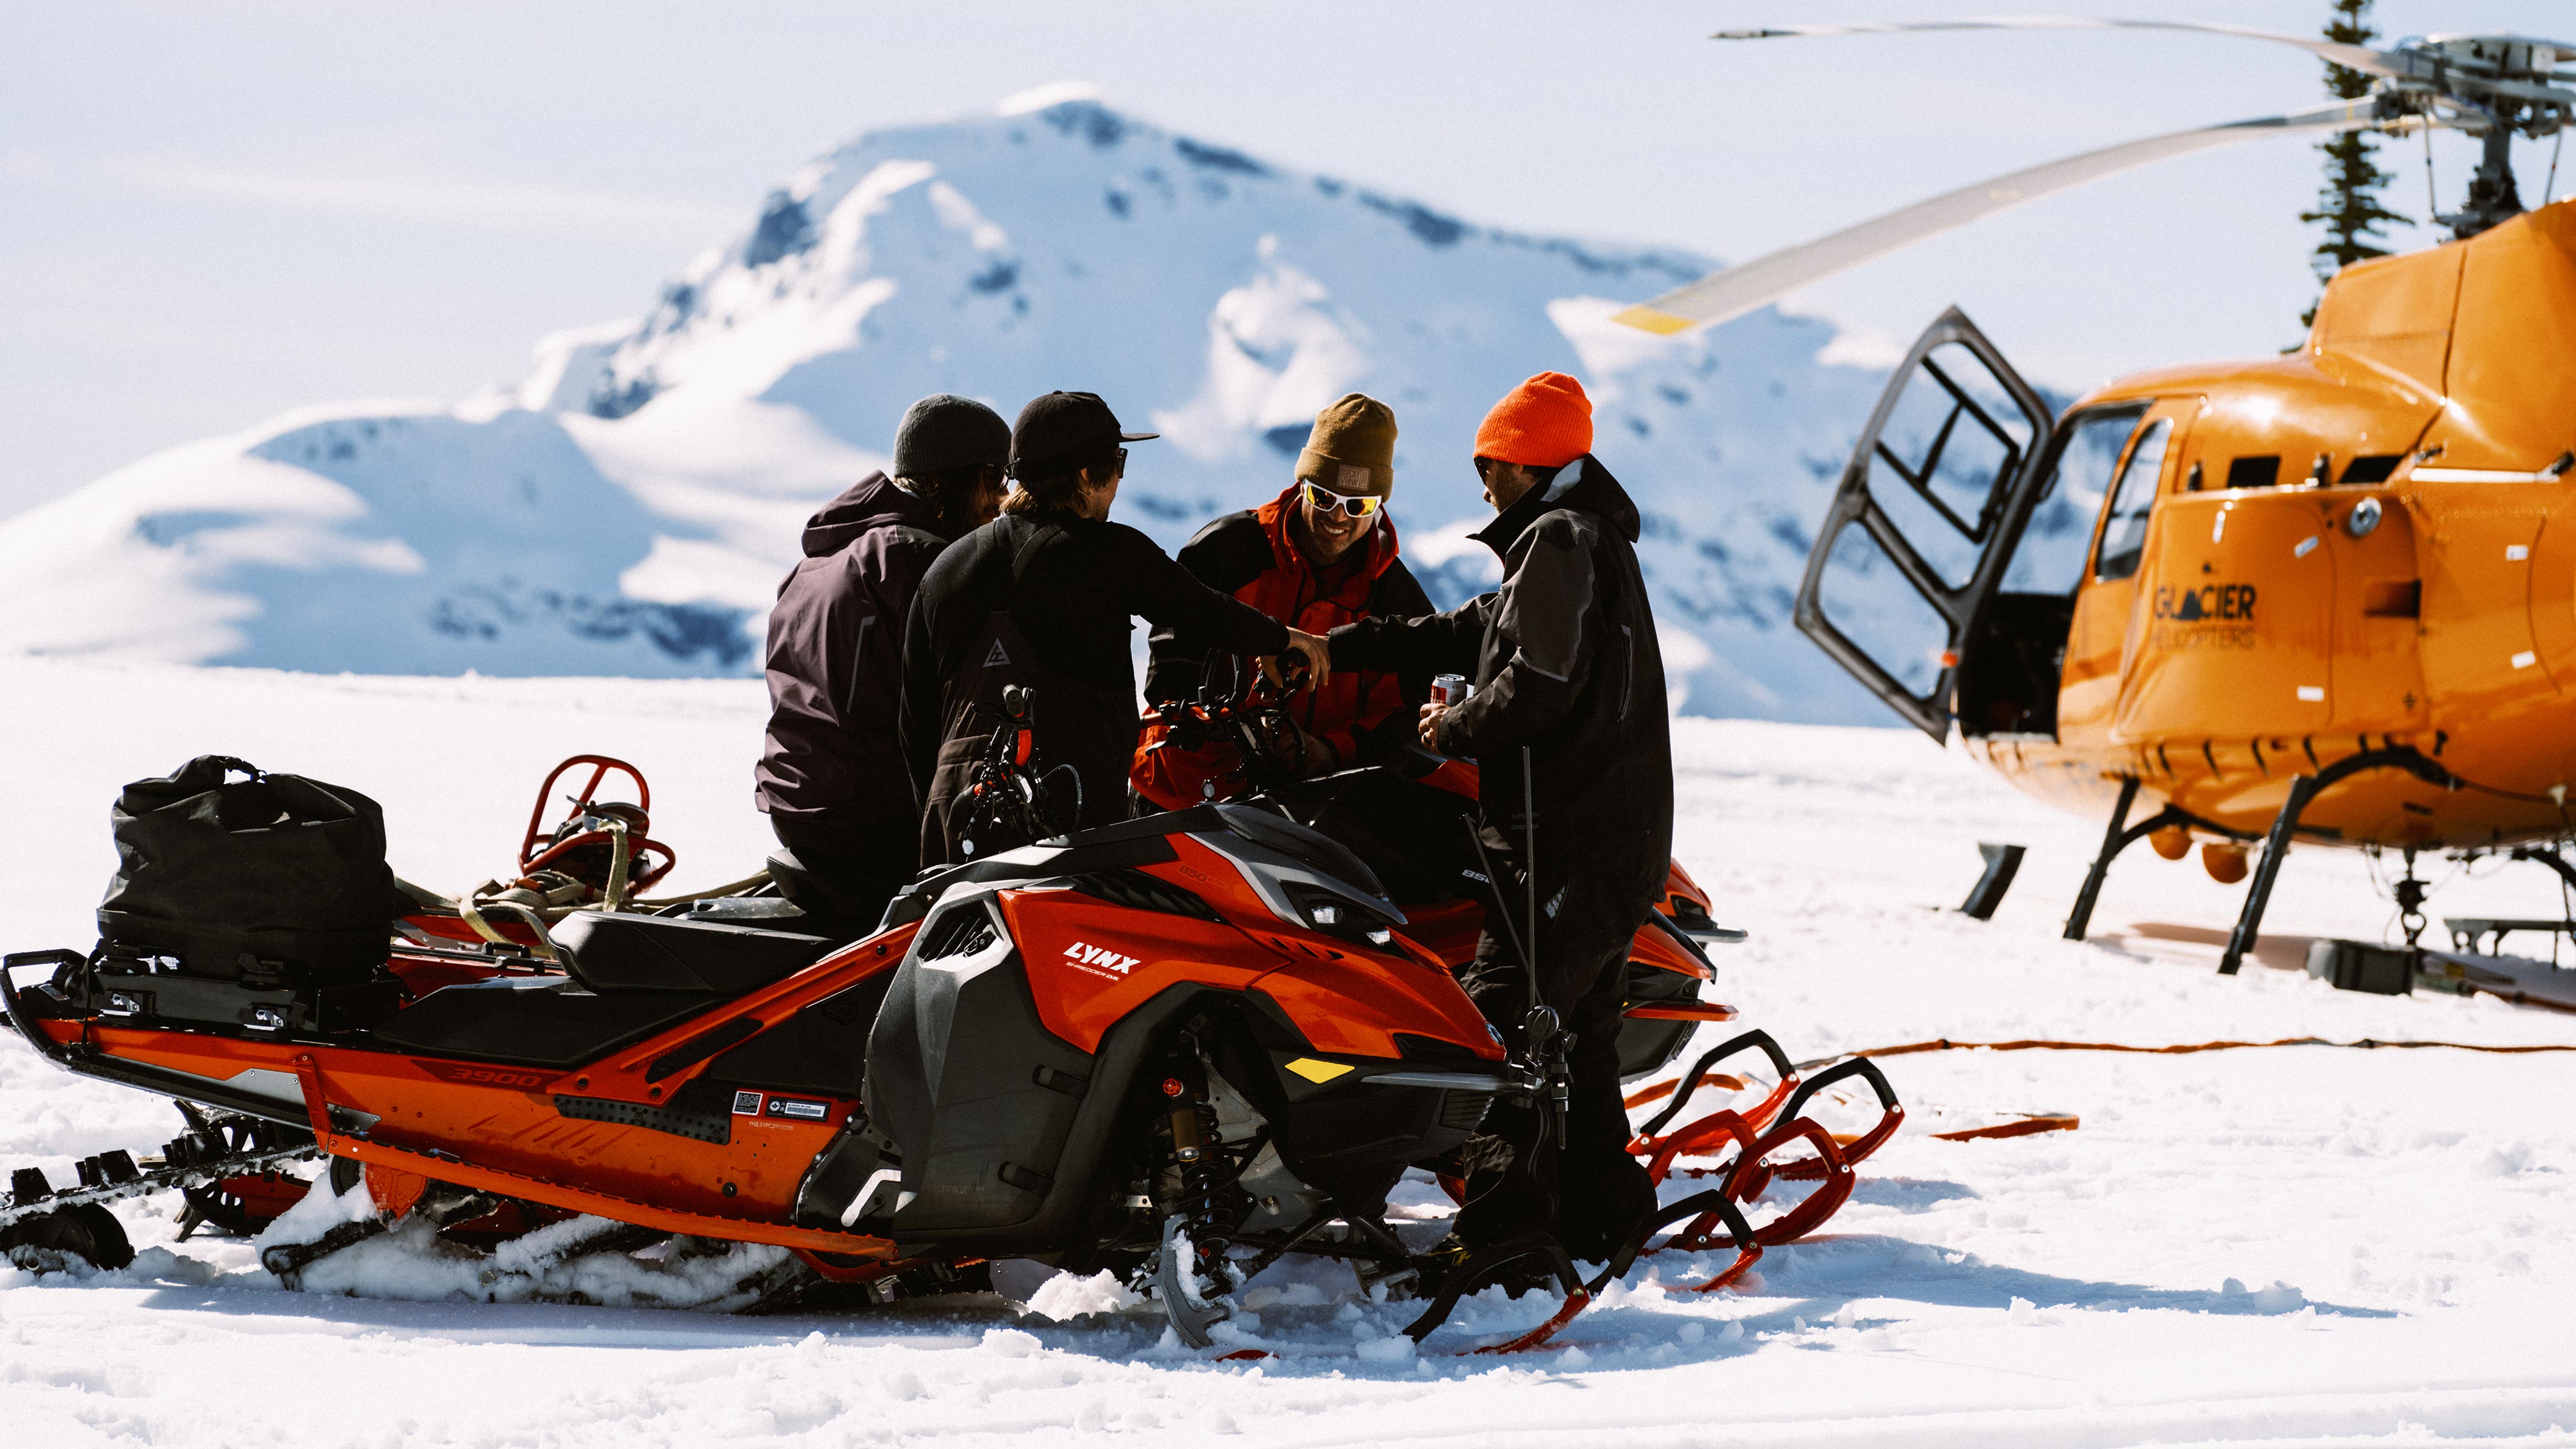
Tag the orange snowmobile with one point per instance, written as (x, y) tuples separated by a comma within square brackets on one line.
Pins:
[(1412, 817), (1179, 1047)]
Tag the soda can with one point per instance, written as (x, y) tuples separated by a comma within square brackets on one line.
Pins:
[(1450, 690)]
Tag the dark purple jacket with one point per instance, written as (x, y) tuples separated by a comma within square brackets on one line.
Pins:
[(835, 660)]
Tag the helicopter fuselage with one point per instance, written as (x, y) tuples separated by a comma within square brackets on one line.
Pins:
[(2214, 579)]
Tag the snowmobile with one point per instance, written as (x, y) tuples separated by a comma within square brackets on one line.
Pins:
[(1179, 1048), (1411, 815)]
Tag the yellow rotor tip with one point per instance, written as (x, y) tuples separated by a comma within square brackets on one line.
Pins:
[(1647, 319)]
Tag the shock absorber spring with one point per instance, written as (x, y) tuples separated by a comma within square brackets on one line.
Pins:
[(1191, 1124)]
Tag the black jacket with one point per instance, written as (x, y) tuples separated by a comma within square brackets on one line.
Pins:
[(835, 660), (1565, 662), (1048, 602)]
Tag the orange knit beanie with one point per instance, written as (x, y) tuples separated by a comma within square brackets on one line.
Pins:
[(1545, 422)]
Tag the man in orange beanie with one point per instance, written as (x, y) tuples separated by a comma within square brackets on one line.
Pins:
[(1569, 696)]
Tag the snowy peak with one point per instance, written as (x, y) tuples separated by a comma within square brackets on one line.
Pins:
[(631, 505)]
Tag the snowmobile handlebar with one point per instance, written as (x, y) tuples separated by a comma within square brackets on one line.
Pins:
[(1243, 706), (530, 844), (1009, 790), (592, 828)]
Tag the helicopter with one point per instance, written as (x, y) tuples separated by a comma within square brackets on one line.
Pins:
[(2326, 597)]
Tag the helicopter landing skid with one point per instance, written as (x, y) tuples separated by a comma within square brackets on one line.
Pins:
[(2303, 790), (2118, 837)]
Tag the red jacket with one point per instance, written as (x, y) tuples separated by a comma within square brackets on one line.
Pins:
[(1251, 556)]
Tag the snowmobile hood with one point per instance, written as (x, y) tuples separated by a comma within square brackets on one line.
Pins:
[(871, 503)]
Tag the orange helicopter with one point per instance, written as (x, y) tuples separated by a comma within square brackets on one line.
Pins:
[(2328, 596)]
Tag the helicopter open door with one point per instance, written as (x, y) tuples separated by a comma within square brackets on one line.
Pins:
[(1925, 521)]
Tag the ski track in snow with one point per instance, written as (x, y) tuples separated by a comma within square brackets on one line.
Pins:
[(2301, 1246)]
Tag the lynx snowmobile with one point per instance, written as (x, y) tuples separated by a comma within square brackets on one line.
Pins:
[(1412, 816), (1179, 1048)]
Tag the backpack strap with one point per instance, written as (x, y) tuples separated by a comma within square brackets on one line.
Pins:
[(1028, 548)]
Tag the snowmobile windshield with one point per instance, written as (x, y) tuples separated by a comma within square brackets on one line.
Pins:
[(1286, 836), (1142, 842)]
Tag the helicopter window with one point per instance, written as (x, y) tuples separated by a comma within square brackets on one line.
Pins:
[(2254, 472), (2050, 556), (1955, 432), (1872, 604), (2124, 536)]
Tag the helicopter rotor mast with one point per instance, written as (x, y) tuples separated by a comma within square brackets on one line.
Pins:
[(2491, 86)]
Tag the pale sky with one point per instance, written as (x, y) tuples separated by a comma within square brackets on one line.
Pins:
[(210, 214)]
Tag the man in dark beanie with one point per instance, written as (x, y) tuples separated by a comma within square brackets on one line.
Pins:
[(1044, 597), (831, 774)]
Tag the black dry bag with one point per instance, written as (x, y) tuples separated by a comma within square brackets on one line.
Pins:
[(273, 880)]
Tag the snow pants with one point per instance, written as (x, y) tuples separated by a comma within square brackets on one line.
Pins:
[(1589, 1193), (859, 863)]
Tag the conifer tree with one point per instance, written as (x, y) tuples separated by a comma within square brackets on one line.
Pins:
[(2349, 203)]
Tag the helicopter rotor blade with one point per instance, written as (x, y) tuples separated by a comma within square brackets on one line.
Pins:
[(2352, 57), (1733, 291)]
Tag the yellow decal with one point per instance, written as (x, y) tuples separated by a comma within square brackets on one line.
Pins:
[(1318, 1072)]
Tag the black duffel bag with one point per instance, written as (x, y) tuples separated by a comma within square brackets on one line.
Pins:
[(275, 880)]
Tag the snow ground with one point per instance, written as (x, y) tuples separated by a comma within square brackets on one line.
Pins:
[(2301, 1246)]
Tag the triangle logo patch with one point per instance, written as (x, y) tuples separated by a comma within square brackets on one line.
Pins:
[(998, 658)]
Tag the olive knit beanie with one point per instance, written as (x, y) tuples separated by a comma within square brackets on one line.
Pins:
[(1351, 448)]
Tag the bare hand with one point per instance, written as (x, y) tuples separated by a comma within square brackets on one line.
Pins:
[(1318, 654), (1432, 714)]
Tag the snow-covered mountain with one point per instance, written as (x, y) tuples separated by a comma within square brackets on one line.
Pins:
[(629, 507)]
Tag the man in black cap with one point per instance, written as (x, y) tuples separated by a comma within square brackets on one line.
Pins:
[(831, 773), (1043, 597)]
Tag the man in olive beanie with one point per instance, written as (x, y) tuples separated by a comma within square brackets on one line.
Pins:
[(830, 775), (1320, 555)]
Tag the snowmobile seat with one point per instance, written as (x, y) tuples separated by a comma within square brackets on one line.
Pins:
[(618, 955), (629, 977), (542, 1021)]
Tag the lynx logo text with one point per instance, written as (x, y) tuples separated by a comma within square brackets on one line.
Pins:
[(1099, 961)]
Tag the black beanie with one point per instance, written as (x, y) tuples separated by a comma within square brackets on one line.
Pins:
[(944, 431)]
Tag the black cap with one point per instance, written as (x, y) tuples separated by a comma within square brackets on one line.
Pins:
[(1060, 432), (944, 431)]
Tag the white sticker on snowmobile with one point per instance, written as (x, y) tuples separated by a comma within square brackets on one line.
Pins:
[(789, 1107), (1099, 961), (746, 1104)]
